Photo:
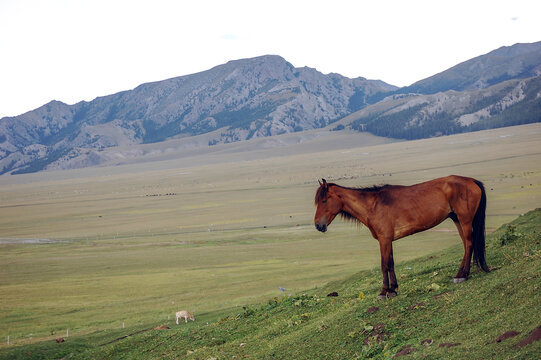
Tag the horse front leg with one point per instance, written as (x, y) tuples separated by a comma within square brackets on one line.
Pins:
[(387, 269), (392, 277)]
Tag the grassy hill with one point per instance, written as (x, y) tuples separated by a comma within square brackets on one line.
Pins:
[(489, 316)]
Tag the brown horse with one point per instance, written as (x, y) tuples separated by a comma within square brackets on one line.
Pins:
[(392, 212)]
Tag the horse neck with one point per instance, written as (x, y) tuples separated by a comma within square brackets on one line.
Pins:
[(356, 202)]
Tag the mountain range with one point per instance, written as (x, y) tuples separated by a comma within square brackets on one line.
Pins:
[(267, 96)]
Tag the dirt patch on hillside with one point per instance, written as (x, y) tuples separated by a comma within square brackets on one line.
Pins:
[(535, 335), (377, 334), (162, 327), (506, 335), (405, 351)]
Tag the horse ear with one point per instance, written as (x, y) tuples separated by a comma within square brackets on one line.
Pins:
[(325, 183)]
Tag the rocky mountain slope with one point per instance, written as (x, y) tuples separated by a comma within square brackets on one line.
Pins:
[(416, 116), (501, 88), (267, 96), (247, 98), (519, 61)]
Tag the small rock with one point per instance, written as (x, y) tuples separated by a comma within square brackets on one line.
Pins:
[(433, 287), (334, 293), (60, 340)]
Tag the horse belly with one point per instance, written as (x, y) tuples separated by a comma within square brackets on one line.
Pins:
[(417, 222)]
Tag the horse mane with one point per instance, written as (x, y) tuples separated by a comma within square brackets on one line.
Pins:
[(348, 217), (321, 193), (375, 189)]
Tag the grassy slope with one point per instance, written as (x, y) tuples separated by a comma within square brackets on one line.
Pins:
[(314, 326)]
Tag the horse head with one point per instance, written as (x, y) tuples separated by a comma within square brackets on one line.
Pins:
[(328, 205)]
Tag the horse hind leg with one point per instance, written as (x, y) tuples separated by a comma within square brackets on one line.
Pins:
[(465, 232)]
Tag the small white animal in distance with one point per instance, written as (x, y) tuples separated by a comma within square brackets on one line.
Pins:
[(184, 314)]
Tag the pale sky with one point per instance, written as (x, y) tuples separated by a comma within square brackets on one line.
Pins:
[(74, 50)]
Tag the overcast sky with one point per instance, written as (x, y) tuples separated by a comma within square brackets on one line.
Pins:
[(75, 50)]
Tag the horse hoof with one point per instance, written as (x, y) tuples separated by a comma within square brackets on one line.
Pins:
[(459, 280), (389, 295)]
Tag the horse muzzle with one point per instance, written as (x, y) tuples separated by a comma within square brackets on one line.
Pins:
[(321, 227)]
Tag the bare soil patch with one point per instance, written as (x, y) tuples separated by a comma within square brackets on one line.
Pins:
[(535, 335), (405, 351), (506, 335)]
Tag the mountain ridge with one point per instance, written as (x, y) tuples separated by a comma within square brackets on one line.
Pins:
[(416, 116), (267, 96), (505, 63), (248, 98)]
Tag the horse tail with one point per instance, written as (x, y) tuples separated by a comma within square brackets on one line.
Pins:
[(479, 230)]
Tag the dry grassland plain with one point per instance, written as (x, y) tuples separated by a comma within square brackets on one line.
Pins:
[(218, 228)]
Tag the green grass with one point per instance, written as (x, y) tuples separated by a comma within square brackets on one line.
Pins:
[(234, 230), (96, 285), (310, 325)]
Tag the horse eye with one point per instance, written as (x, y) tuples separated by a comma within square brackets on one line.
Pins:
[(324, 201)]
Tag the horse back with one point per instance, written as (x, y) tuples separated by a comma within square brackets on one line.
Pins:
[(405, 210)]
